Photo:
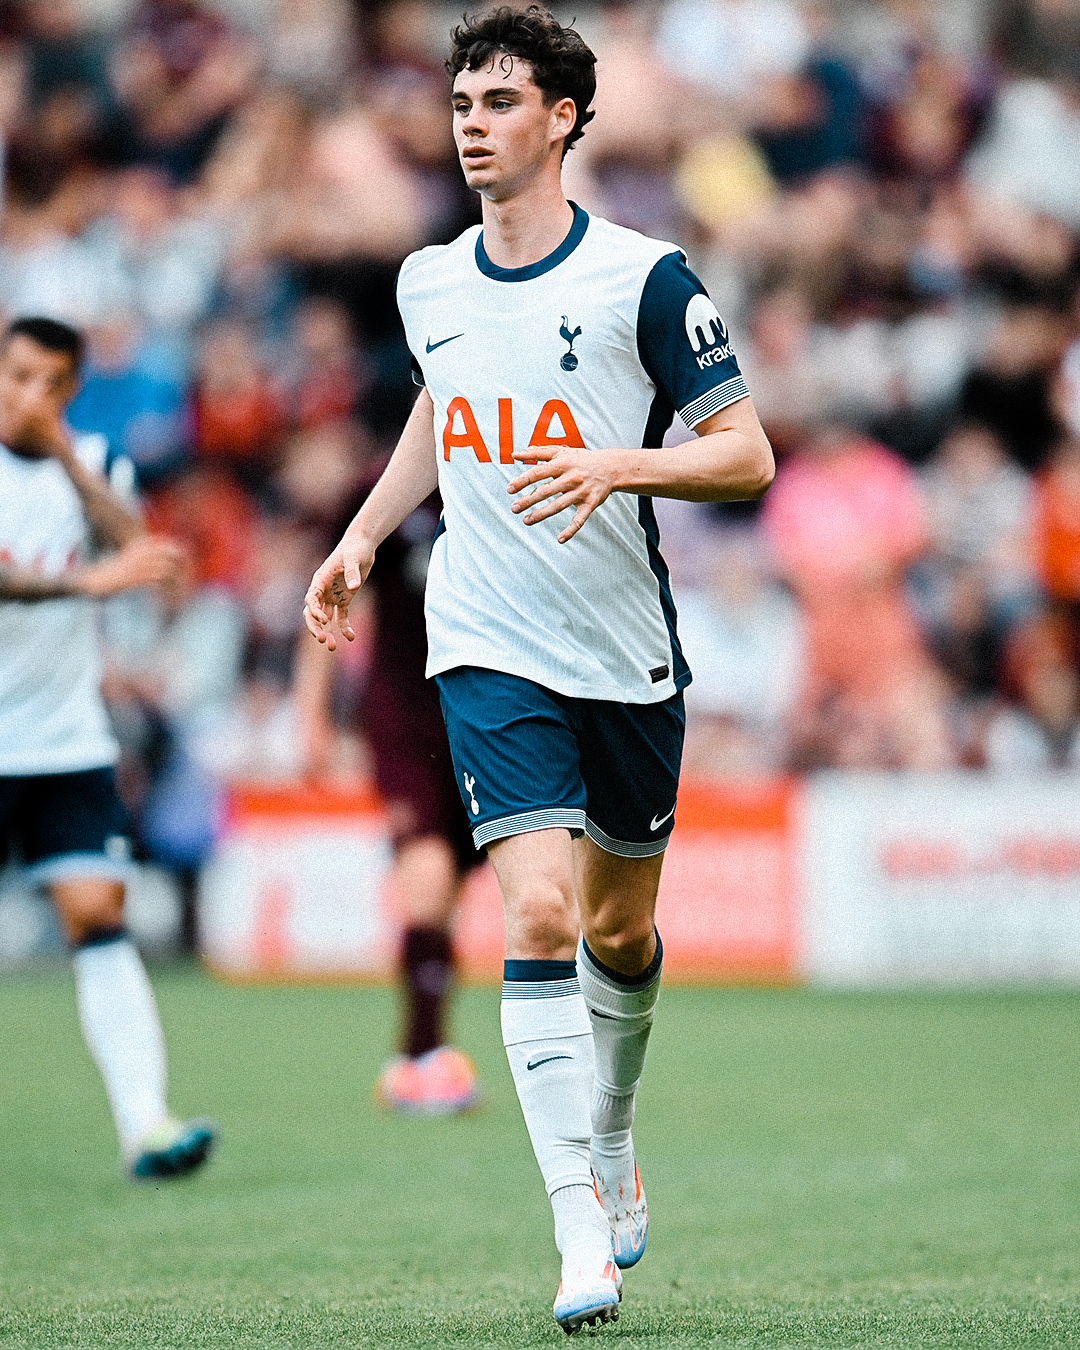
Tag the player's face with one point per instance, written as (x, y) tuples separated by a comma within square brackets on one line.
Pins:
[(504, 132), (34, 383)]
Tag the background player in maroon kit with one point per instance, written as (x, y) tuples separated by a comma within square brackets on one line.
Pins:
[(433, 849)]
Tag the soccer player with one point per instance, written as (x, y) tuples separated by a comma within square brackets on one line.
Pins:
[(554, 350), (59, 812), (432, 842)]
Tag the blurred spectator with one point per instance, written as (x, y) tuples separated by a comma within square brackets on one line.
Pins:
[(321, 468), (977, 580), (812, 120), (45, 267), (64, 57), (310, 45), (1010, 389), (980, 511), (159, 261), (140, 415), (735, 48), (1057, 524), (1031, 35), (178, 72), (743, 638), (286, 554), (1040, 730), (789, 389), (213, 519), (1031, 153), (321, 377), (237, 417), (845, 521)]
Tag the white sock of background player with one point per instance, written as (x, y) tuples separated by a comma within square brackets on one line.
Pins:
[(119, 1020), (549, 1046)]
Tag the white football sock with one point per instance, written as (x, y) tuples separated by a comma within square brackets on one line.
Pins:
[(549, 1045), (120, 1023), (621, 1012), (582, 1232)]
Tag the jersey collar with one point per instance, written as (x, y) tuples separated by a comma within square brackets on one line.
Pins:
[(536, 269)]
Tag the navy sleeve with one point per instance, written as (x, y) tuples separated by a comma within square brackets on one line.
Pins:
[(683, 344)]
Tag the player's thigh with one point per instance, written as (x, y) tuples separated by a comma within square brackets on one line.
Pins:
[(616, 896), (630, 759), (73, 835), (536, 878), (515, 751)]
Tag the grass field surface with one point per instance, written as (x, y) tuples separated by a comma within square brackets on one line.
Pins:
[(823, 1170)]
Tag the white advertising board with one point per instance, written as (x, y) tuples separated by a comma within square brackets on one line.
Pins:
[(945, 879), (300, 901)]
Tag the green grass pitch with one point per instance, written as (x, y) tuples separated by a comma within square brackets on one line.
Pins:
[(823, 1170)]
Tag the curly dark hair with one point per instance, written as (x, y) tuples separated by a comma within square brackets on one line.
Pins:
[(562, 65)]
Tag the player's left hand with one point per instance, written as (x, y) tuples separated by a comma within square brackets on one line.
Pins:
[(565, 477)]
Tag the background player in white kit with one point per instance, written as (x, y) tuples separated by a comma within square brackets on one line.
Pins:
[(59, 813), (552, 340)]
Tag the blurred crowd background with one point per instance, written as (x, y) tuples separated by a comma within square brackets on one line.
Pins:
[(882, 198)]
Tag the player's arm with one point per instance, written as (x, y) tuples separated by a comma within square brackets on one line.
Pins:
[(411, 477), (683, 346), (144, 561), (731, 460), (112, 523)]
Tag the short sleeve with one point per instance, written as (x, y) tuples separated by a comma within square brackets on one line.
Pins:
[(417, 373), (683, 344)]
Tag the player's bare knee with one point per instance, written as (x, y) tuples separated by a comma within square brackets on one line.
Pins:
[(543, 925), (87, 906), (627, 944)]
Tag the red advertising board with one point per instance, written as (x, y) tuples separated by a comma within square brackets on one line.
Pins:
[(301, 889)]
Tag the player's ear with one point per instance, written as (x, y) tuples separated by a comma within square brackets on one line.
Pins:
[(563, 117)]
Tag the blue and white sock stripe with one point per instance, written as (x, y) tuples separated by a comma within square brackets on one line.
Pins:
[(542, 1000), (729, 392), (540, 979), (540, 989)]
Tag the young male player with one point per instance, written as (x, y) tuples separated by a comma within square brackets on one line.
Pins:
[(552, 348), (58, 806)]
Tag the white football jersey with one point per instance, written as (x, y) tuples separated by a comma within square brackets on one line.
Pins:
[(52, 717), (596, 346)]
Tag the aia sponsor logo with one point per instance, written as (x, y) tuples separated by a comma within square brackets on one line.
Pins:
[(555, 425)]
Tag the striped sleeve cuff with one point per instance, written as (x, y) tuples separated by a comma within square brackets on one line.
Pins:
[(729, 392)]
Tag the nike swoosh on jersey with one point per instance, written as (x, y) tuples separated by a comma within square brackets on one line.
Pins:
[(657, 823), (535, 1063), (442, 342)]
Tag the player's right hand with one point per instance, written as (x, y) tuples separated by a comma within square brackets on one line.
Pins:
[(333, 589), (147, 560)]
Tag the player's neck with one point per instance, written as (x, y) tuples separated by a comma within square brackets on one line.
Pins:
[(526, 227)]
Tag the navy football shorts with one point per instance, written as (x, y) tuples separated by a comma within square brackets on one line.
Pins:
[(65, 826), (527, 758)]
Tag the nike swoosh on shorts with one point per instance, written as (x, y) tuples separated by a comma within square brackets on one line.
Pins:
[(657, 823)]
